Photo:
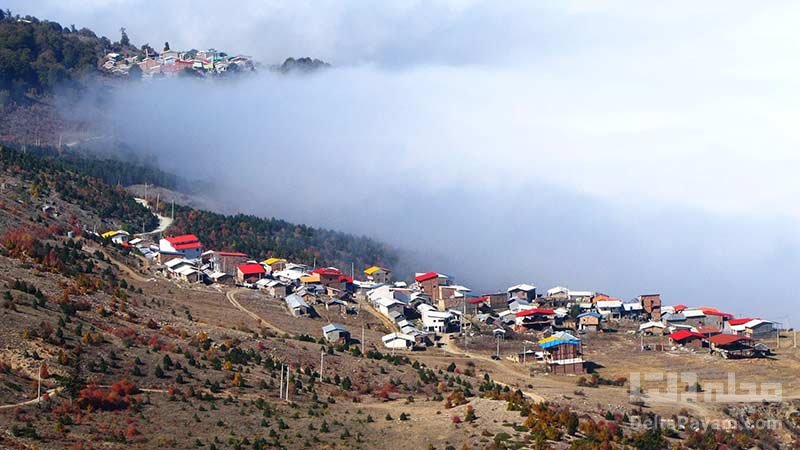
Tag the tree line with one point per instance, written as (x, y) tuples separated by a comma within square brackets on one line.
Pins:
[(265, 237)]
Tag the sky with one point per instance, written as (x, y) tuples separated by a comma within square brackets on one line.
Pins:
[(621, 147)]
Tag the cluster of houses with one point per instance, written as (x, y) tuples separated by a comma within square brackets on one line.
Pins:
[(434, 304), (708, 328), (171, 62)]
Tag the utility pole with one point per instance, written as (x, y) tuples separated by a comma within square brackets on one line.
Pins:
[(287, 383), (280, 389), (362, 341), (39, 389), (321, 363), (524, 354), (497, 353), (173, 209)]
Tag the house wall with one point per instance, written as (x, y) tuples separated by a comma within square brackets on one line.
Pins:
[(529, 295), (381, 276), (691, 343), (279, 291), (241, 278), (227, 264), (498, 301), (278, 266), (299, 311), (567, 369), (398, 344), (336, 336), (589, 323), (564, 351), (652, 306), (763, 331), (431, 289)]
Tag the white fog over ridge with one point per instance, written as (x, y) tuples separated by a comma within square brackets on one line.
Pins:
[(600, 145)]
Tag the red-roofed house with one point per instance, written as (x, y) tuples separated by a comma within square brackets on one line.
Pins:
[(687, 338), (430, 284), (249, 272), (477, 305), (332, 277), (732, 346), (740, 321), (186, 246), (715, 317), (534, 318)]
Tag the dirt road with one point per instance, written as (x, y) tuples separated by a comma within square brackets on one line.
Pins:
[(231, 295), (50, 393)]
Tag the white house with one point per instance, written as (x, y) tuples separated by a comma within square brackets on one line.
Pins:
[(183, 269), (387, 306), (399, 341), (434, 320), (753, 328), (609, 308), (652, 328), (188, 246)]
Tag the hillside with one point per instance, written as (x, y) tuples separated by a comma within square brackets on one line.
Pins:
[(130, 359), (266, 237), (37, 56)]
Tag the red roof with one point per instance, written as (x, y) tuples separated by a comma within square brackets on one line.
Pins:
[(708, 330), (328, 271), (740, 321), (682, 335), (534, 311), (477, 300), (427, 276), (680, 307), (184, 242), (716, 312), (725, 339), (232, 254), (251, 269)]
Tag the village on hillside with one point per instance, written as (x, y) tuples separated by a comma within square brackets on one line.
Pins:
[(434, 309), (170, 63)]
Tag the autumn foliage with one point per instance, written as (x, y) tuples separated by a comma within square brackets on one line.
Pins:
[(118, 396)]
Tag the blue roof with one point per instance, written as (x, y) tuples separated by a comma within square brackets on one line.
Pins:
[(591, 313), (295, 301), (558, 339)]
